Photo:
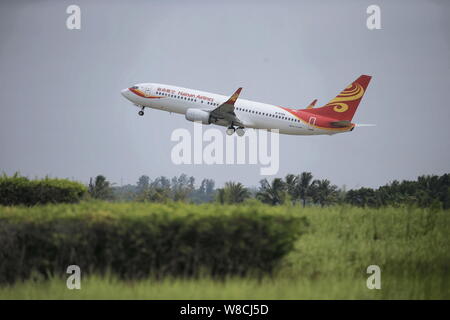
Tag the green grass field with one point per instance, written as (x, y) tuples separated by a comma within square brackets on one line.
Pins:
[(410, 245)]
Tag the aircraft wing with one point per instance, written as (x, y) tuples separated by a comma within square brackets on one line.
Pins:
[(225, 111)]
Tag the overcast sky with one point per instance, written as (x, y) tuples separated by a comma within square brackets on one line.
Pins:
[(61, 112)]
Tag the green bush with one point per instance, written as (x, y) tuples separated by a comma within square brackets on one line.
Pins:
[(134, 240), (17, 190)]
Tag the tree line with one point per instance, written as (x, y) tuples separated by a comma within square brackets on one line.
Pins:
[(301, 189)]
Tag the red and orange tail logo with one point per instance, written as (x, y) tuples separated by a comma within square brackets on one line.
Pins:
[(344, 106)]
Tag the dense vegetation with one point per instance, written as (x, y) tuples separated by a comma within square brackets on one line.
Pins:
[(426, 191), (178, 249), (411, 246), (17, 190), (138, 240)]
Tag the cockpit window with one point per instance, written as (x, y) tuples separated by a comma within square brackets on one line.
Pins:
[(134, 87)]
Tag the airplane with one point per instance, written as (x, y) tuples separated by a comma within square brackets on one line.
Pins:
[(238, 114)]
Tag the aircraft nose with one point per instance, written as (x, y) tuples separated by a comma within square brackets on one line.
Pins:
[(124, 92)]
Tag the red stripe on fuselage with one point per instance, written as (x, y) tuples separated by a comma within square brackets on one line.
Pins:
[(321, 122), (143, 95)]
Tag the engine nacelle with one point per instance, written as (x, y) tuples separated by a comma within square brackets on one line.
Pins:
[(198, 115)]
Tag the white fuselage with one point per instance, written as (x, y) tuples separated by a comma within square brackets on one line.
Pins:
[(252, 114)]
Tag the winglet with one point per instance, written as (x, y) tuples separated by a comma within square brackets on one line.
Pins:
[(234, 97), (312, 104)]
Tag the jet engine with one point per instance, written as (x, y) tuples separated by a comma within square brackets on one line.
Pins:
[(198, 115)]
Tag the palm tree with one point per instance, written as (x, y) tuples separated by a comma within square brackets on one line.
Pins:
[(274, 193), (235, 192), (304, 186), (291, 182), (323, 192)]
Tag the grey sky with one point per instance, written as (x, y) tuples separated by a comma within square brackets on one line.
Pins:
[(61, 112)]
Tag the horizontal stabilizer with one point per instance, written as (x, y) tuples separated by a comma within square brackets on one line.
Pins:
[(341, 124), (312, 104), (365, 125)]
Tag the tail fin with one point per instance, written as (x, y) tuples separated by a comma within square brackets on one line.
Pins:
[(344, 106)]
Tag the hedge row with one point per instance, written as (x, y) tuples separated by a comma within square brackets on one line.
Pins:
[(134, 240), (18, 190)]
